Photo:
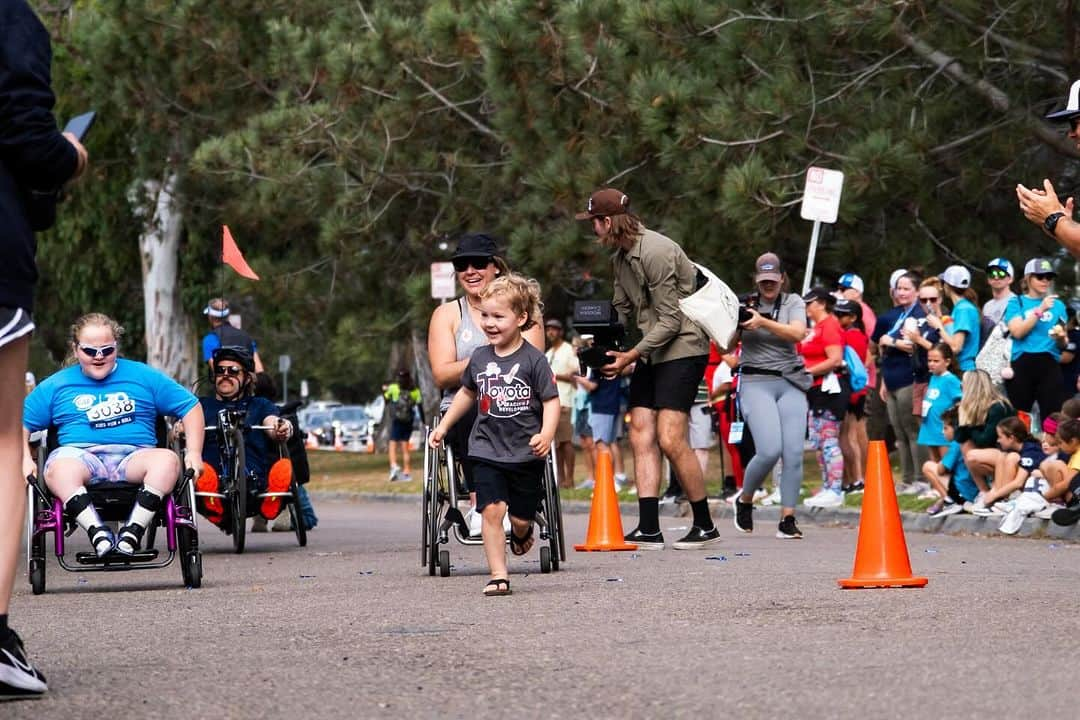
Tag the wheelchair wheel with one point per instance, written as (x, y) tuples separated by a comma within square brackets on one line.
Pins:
[(444, 563), (238, 498), (297, 517), (433, 522), (545, 560), (554, 518), (191, 569), (425, 503), (37, 575)]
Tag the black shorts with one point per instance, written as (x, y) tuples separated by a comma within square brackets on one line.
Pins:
[(400, 430), (14, 324), (519, 485), (858, 408), (670, 385)]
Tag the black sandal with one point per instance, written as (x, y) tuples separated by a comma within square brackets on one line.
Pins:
[(497, 587), (517, 544)]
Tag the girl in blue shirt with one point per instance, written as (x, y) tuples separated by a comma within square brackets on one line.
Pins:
[(963, 332), (943, 393), (1036, 321)]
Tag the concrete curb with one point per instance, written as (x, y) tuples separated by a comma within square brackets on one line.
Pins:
[(961, 524)]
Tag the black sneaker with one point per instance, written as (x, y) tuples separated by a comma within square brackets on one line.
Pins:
[(651, 541), (1067, 515), (697, 538), (855, 487), (788, 530), (744, 516), (18, 678)]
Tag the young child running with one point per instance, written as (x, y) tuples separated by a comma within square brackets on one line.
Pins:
[(943, 392), (518, 414)]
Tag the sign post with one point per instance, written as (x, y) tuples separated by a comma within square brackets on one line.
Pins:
[(284, 362), (821, 203), (442, 281)]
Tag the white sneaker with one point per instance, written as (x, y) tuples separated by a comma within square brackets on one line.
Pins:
[(620, 479), (1012, 522), (1005, 506), (772, 498), (1047, 511), (913, 488), (930, 494), (506, 523), (982, 511), (588, 484), (974, 506), (394, 472), (475, 521), (825, 499)]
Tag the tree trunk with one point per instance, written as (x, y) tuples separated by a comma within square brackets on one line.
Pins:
[(429, 391), (170, 340)]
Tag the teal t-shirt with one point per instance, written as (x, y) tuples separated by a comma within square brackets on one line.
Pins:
[(1038, 340), (942, 393), (966, 319)]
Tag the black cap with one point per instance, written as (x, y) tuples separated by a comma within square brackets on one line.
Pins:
[(476, 245), (820, 293), (846, 307)]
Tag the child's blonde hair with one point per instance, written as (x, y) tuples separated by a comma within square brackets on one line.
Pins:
[(978, 394), (86, 321), (522, 294)]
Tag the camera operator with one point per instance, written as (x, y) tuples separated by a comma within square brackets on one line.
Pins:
[(34, 156), (651, 274), (772, 392)]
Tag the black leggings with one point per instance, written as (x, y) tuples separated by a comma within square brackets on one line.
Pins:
[(1036, 377)]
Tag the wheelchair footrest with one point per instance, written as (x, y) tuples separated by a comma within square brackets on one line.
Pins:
[(115, 558)]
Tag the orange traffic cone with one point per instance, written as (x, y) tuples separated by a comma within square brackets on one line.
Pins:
[(339, 444), (881, 557), (605, 523)]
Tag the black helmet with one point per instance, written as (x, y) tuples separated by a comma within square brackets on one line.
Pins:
[(236, 354)]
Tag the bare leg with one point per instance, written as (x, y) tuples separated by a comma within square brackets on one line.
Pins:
[(566, 463), (156, 468), (981, 462), (646, 452), (672, 427), (495, 539), (12, 484), (405, 459), (392, 445)]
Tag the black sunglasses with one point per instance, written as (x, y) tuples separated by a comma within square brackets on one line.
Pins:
[(1047, 277), (461, 264), (95, 352), (231, 370), (933, 300)]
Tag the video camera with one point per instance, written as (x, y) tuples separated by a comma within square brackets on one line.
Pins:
[(599, 319)]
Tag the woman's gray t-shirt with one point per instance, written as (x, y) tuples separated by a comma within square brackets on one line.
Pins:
[(762, 349)]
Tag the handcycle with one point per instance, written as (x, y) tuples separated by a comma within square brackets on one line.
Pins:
[(234, 479), (45, 514), (441, 515)]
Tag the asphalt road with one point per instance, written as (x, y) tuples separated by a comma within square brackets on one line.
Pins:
[(353, 627)]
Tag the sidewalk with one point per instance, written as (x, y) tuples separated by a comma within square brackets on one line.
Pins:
[(962, 524)]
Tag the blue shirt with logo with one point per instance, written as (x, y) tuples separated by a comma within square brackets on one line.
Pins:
[(961, 478), (942, 393), (1038, 340), (120, 409), (967, 319)]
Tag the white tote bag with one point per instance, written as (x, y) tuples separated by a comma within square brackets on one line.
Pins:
[(715, 308), (996, 353)]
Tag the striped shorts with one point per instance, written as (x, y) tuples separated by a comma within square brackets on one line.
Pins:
[(14, 324)]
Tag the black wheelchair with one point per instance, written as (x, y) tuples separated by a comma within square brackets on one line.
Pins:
[(235, 486), (113, 501), (441, 515)]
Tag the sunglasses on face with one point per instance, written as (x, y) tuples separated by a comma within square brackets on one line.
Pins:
[(997, 274), (230, 370), (1045, 277), (930, 300), (97, 352), (462, 264)]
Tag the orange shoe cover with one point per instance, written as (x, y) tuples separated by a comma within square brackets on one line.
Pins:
[(278, 481), (211, 507)]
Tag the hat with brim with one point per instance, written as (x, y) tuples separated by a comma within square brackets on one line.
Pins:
[(1039, 266), (553, 323), (222, 311), (1072, 105), (476, 245), (767, 268), (605, 203)]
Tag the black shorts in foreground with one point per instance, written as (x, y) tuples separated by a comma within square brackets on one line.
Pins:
[(670, 385), (14, 324), (517, 485)]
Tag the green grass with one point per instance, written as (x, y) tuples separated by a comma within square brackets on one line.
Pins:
[(362, 472)]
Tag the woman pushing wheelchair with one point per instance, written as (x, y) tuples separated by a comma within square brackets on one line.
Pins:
[(104, 410)]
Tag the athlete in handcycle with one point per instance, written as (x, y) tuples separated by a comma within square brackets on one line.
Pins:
[(104, 410), (243, 431)]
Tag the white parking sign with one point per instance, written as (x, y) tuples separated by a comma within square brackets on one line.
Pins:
[(821, 196), (442, 281)]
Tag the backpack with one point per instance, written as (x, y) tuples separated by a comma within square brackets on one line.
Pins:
[(402, 408), (856, 370)]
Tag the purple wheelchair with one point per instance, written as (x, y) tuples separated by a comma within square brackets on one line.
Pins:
[(113, 502)]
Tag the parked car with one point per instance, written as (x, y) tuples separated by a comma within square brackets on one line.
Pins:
[(353, 424), (319, 424)]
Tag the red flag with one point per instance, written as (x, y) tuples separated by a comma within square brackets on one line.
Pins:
[(232, 257)]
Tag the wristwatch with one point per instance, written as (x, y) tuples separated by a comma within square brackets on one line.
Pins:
[(1051, 221)]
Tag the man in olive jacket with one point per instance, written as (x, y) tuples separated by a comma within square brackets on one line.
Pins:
[(651, 274)]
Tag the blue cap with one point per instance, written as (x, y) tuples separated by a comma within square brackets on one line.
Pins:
[(1001, 263)]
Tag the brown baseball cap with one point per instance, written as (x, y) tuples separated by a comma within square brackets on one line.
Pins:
[(605, 203), (767, 267)]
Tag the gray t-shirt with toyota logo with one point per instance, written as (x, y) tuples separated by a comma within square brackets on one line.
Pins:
[(510, 394)]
